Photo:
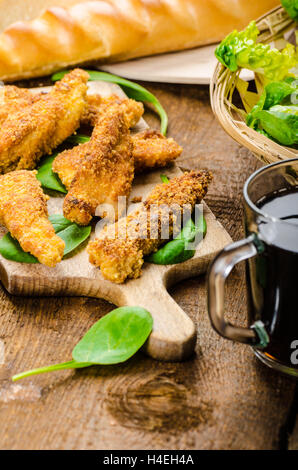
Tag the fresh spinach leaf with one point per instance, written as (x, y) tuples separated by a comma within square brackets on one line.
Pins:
[(45, 174), (11, 249), (281, 123), (132, 90), (47, 177), (78, 139), (72, 234), (274, 93), (111, 340), (291, 6), (177, 250), (274, 115), (164, 179), (115, 337)]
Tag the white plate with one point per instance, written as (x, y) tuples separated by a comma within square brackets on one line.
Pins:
[(193, 66)]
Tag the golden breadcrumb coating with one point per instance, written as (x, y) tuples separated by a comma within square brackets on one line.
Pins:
[(12, 99), (96, 104), (23, 211), (36, 129), (153, 150), (120, 248), (150, 150), (106, 168)]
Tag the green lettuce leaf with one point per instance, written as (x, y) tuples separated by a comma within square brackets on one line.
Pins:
[(241, 50)]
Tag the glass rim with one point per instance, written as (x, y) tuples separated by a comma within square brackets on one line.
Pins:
[(249, 180)]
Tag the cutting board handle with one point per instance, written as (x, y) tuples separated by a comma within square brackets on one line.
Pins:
[(173, 337)]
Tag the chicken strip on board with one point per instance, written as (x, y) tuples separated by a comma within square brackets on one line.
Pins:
[(23, 211), (67, 163), (150, 148), (38, 128), (13, 99), (96, 104), (105, 171), (120, 248)]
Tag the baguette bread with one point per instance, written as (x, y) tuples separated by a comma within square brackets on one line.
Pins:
[(115, 30)]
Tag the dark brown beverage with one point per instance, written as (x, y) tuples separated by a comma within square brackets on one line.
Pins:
[(270, 198), (273, 276)]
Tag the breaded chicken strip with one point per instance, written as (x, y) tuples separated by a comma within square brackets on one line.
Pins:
[(106, 168), (96, 104), (23, 211), (13, 99), (153, 150), (120, 248), (150, 150), (38, 128)]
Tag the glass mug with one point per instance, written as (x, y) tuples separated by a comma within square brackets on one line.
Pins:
[(271, 248)]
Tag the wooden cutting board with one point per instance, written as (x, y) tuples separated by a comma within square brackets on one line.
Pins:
[(174, 334)]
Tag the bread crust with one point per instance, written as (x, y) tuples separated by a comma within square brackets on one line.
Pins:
[(116, 30)]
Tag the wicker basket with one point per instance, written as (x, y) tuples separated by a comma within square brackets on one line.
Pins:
[(274, 27)]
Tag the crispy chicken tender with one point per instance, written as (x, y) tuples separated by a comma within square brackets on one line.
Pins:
[(28, 133), (150, 149), (96, 104), (23, 211), (120, 248), (105, 171), (153, 150), (12, 99)]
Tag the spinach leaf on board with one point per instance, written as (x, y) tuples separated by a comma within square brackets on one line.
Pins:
[(177, 250), (72, 234), (78, 139), (11, 249), (111, 340), (164, 178), (45, 174), (132, 90), (47, 177)]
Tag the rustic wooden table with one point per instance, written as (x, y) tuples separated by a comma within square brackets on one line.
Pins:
[(222, 398)]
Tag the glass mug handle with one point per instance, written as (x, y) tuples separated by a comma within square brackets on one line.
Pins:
[(219, 270)]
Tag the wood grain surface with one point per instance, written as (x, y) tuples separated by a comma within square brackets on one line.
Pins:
[(173, 336), (221, 398)]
